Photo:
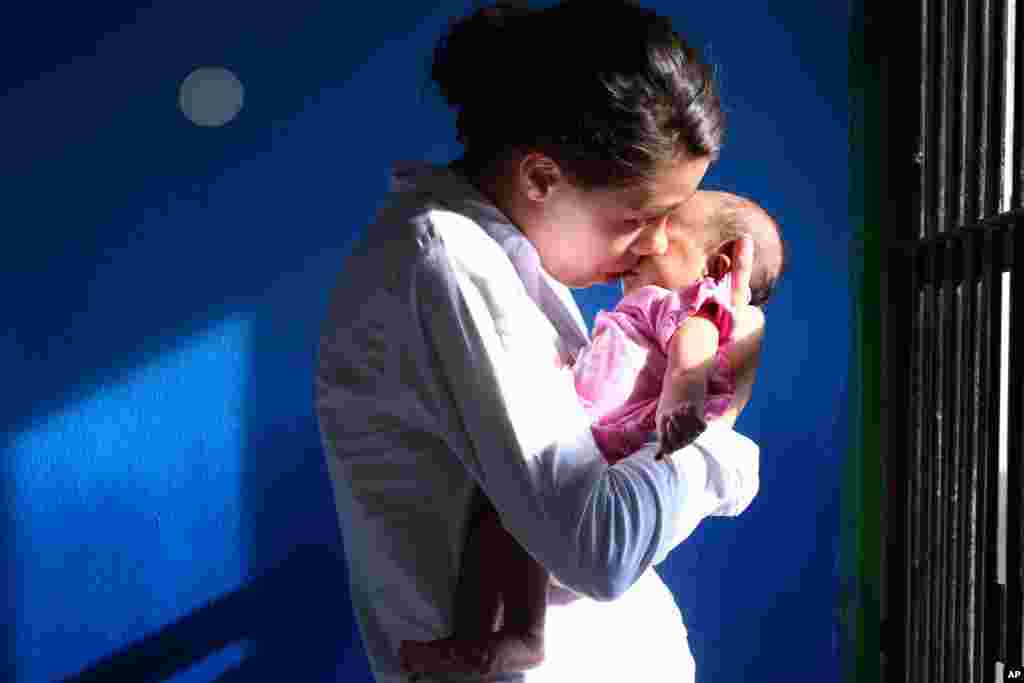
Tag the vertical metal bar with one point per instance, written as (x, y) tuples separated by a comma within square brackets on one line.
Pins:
[(955, 104), (984, 109), (940, 586), (1018, 135), (956, 392), (997, 125), (967, 208), (983, 635), (932, 468), (925, 662), (951, 439), (962, 624), (968, 671), (940, 102), (917, 660), (1015, 453), (954, 363), (994, 291), (926, 223), (918, 663)]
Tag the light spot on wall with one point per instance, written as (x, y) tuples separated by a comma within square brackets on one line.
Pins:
[(211, 96)]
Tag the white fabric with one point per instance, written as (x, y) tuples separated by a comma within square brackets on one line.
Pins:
[(435, 374)]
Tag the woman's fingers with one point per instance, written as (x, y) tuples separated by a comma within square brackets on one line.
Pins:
[(679, 429), (666, 437), (744, 355), (742, 269)]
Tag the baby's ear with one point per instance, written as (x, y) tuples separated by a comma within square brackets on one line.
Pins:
[(720, 263)]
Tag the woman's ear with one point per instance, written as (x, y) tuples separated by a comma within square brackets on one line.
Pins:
[(539, 175)]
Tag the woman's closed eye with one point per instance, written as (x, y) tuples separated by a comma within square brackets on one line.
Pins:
[(640, 222), (646, 220)]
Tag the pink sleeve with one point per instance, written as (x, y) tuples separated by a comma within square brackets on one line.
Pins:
[(677, 305), (636, 313)]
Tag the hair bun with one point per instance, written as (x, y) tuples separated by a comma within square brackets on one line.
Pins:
[(485, 37), (505, 10)]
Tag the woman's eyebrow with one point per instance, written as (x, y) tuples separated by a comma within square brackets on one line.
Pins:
[(658, 210)]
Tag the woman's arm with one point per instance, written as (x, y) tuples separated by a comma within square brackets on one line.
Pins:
[(527, 442)]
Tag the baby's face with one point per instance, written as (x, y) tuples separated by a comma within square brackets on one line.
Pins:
[(686, 258)]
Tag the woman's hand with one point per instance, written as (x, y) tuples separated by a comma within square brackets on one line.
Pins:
[(744, 353)]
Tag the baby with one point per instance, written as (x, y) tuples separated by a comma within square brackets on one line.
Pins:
[(657, 368)]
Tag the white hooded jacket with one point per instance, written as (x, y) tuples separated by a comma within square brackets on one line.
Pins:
[(436, 375)]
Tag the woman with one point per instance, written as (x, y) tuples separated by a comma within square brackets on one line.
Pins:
[(439, 373)]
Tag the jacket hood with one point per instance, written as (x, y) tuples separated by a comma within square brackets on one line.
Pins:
[(423, 183), (443, 185)]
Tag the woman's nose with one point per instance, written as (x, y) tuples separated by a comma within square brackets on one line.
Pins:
[(653, 240)]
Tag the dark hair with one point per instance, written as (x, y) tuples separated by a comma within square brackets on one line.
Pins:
[(735, 217), (605, 88)]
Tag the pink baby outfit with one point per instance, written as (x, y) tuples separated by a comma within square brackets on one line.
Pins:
[(619, 375)]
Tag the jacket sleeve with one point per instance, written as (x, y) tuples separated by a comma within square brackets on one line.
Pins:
[(523, 435)]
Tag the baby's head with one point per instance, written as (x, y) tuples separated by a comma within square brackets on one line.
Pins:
[(702, 234)]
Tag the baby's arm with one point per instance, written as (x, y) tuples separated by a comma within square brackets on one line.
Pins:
[(691, 353)]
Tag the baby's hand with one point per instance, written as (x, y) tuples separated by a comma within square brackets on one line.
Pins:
[(680, 427)]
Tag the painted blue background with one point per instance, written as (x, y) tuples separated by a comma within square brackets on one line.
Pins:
[(164, 493)]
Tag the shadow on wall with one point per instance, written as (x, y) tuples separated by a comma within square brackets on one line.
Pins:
[(279, 616), (184, 228)]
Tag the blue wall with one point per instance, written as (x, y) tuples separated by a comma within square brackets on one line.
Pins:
[(164, 495)]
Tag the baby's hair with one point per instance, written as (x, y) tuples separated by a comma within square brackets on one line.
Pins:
[(734, 217)]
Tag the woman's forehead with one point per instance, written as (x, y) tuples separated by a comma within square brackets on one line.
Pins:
[(666, 191), (646, 198)]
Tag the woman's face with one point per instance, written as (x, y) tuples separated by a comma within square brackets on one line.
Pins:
[(585, 238), (686, 259)]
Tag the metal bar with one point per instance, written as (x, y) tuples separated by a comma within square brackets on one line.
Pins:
[(969, 671), (956, 394), (983, 122), (919, 570), (918, 521), (997, 153), (943, 215), (956, 94), (994, 292), (956, 103), (1015, 466), (1007, 219), (940, 584), (984, 636), (952, 402), (932, 470), (1018, 135), (968, 149), (926, 157), (918, 515), (916, 597), (957, 276), (997, 604)]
